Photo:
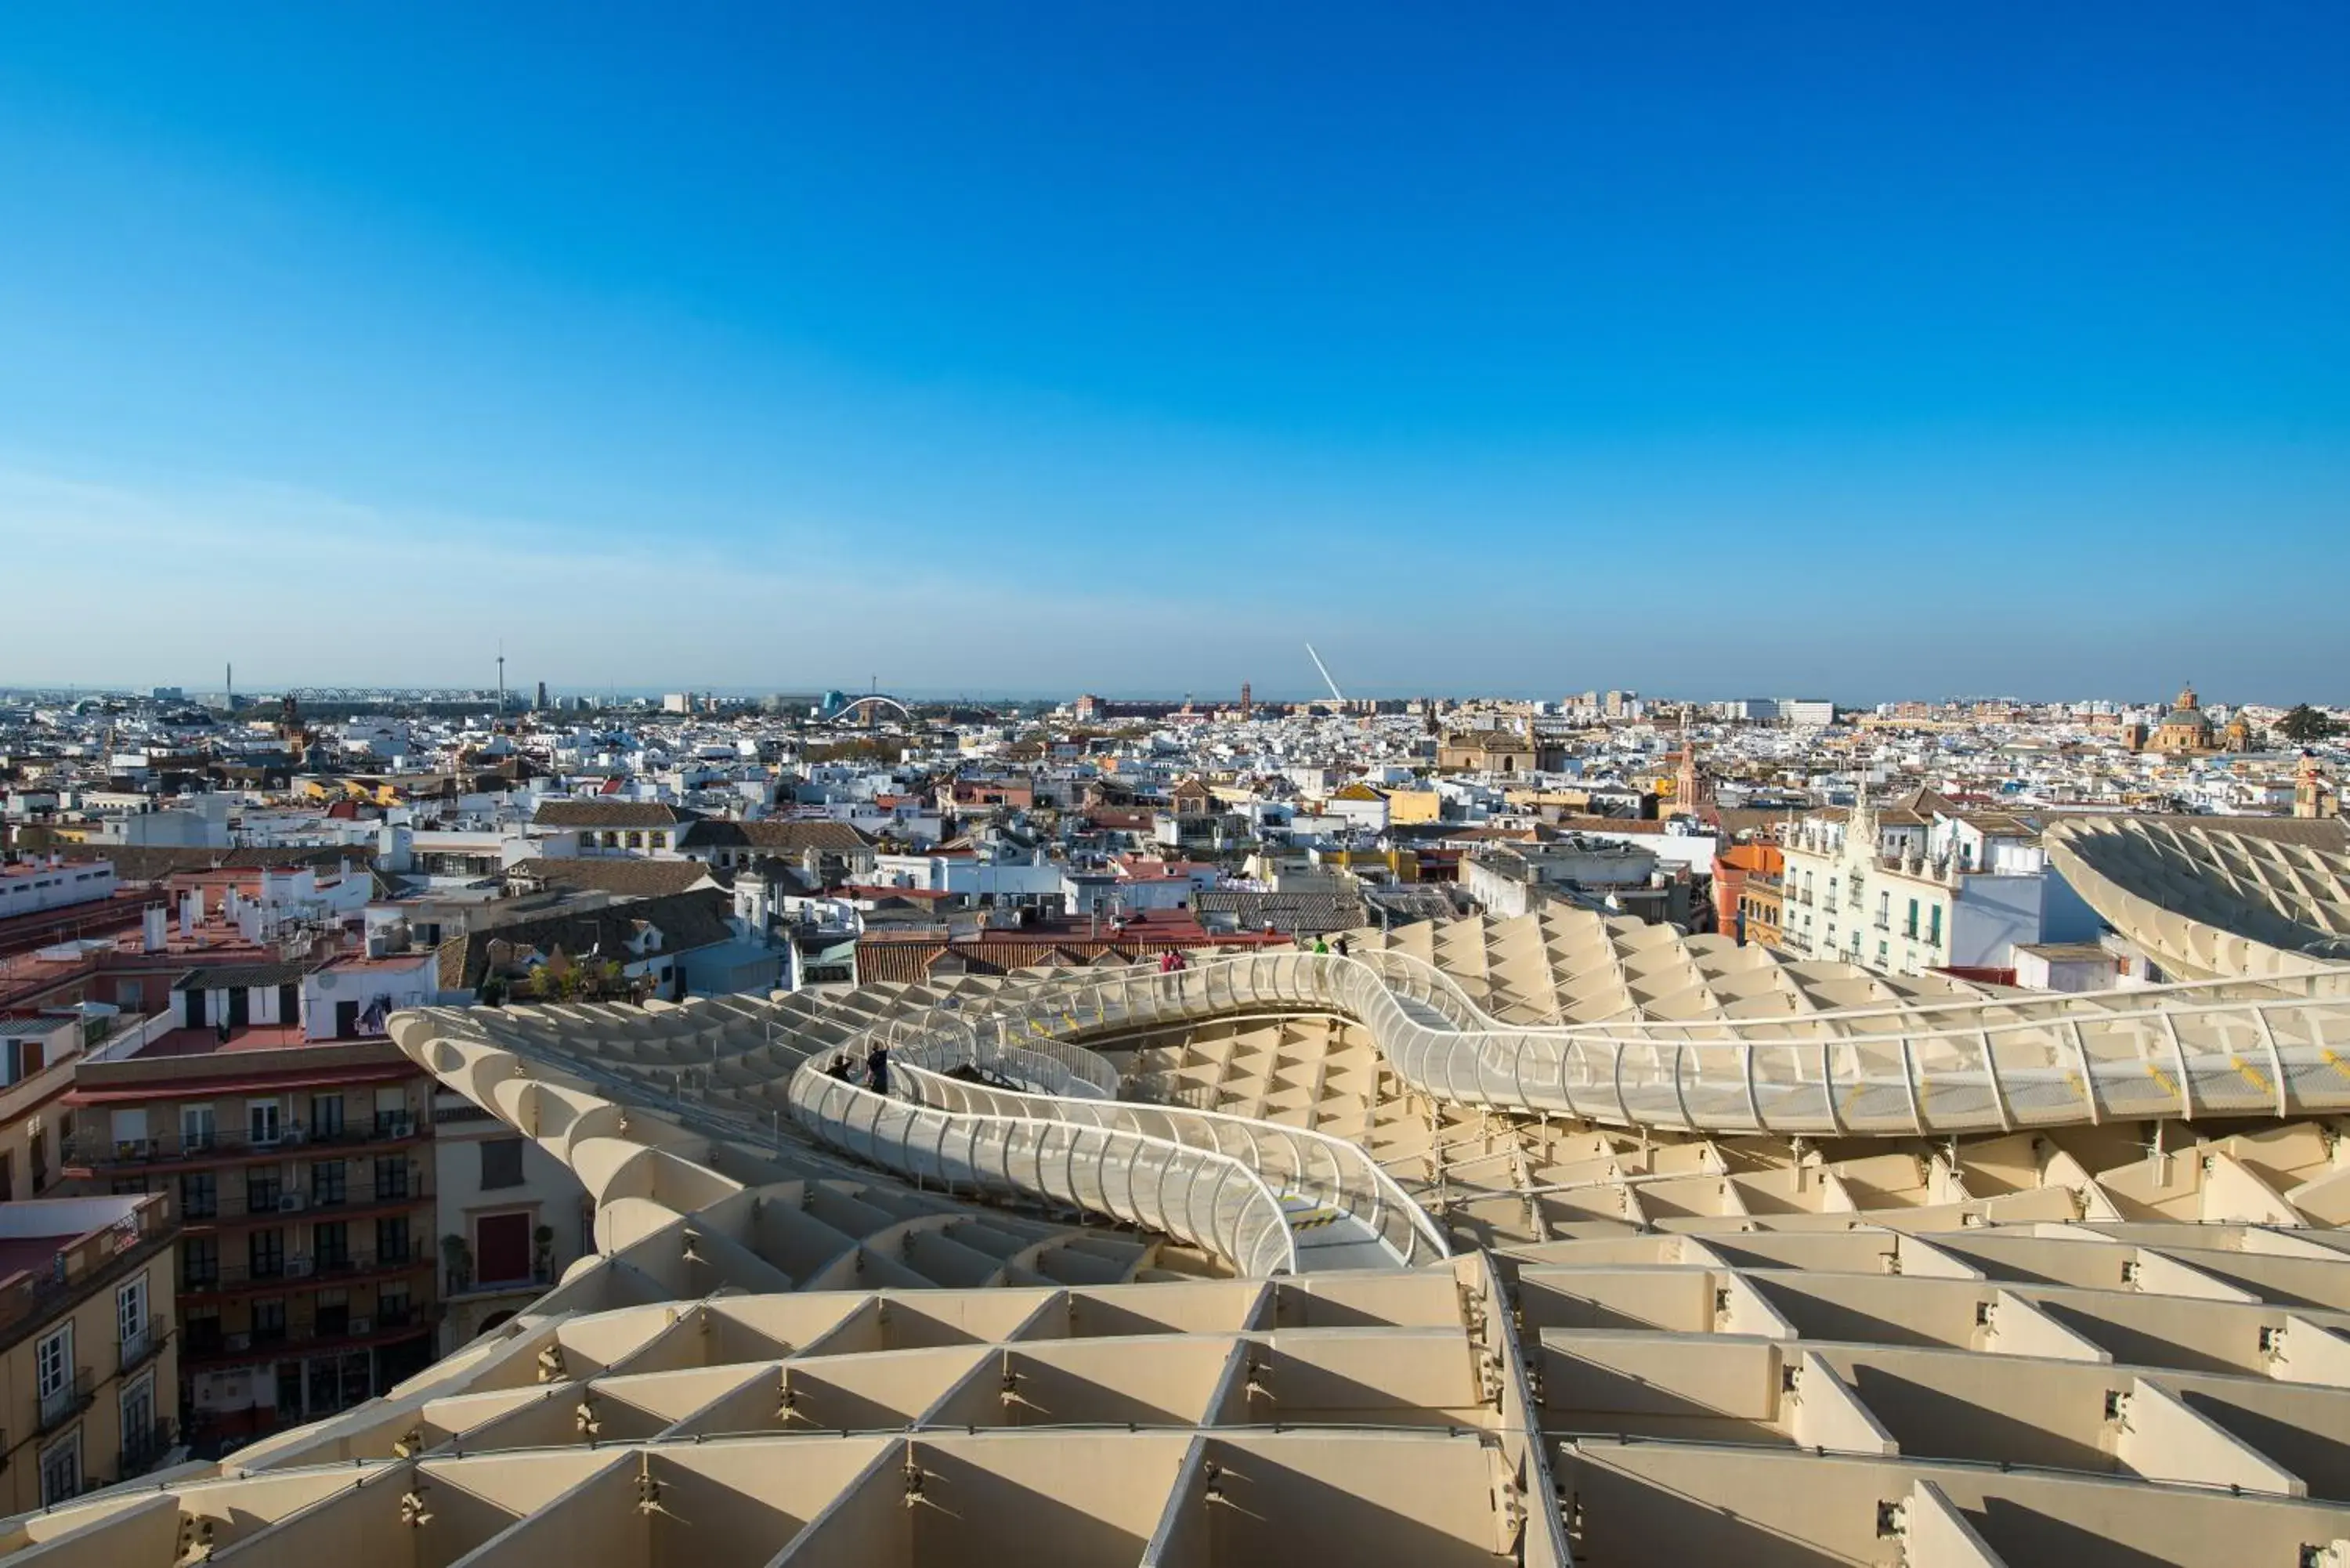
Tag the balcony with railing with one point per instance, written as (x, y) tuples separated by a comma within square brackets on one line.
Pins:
[(457, 1288), (95, 1148), (230, 1279), (356, 1200), (69, 1399), (328, 1330), (355, 1264), (133, 1350)]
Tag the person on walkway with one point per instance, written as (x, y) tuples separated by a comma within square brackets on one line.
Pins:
[(1341, 949), (877, 1068), (842, 1068), (1320, 946)]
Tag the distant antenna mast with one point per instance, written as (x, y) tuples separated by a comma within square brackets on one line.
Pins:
[(1325, 669), (501, 677)]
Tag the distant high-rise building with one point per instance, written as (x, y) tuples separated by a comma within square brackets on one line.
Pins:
[(541, 703)]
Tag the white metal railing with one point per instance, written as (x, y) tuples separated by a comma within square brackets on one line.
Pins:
[(1013, 1044), (2271, 1047), (1209, 1199), (1963, 1065), (1327, 1172), (1063, 1081)]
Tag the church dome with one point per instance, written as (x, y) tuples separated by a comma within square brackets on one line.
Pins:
[(2185, 711)]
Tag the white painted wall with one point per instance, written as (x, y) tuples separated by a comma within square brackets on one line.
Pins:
[(26, 891)]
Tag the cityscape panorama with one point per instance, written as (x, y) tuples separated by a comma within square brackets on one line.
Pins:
[(1171, 788)]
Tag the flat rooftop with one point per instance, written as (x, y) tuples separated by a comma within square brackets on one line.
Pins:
[(207, 1042), (34, 1230)]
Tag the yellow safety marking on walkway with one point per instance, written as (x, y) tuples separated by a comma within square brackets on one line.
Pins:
[(2169, 1084), (1316, 1219), (2249, 1074), (2337, 1063)]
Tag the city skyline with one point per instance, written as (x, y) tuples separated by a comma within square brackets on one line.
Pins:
[(1111, 785), (1863, 355), (522, 689)]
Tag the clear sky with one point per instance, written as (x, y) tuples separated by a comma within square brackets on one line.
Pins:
[(1855, 350)]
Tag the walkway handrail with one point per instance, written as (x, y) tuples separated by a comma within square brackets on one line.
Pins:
[(941, 1038), (1980, 1065), (1209, 1198), (1992, 1063), (1333, 1171)]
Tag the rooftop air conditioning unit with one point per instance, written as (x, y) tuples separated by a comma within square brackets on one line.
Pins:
[(289, 1203)]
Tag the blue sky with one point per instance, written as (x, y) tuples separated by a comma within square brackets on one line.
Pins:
[(1849, 350)]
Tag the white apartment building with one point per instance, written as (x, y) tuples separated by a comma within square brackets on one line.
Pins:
[(1911, 887), (1514, 880), (1362, 807), (30, 888)]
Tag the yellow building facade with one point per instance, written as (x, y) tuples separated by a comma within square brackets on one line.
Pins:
[(90, 1377)]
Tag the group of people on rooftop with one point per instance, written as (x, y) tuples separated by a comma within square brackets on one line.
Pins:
[(877, 1068)]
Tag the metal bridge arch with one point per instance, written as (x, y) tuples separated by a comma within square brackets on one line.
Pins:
[(866, 710)]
